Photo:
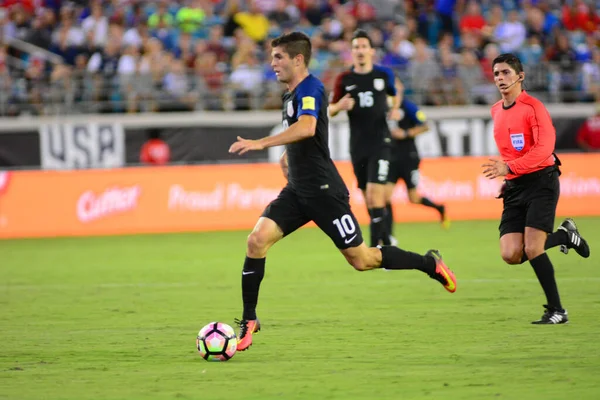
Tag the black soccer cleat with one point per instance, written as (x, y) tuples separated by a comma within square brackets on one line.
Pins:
[(552, 316), (575, 240)]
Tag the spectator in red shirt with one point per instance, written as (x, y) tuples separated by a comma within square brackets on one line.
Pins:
[(588, 136), (472, 21), (525, 138), (155, 151), (580, 16)]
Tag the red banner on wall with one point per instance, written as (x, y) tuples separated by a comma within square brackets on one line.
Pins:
[(218, 197)]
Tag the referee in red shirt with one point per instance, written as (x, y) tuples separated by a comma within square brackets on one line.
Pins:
[(525, 138)]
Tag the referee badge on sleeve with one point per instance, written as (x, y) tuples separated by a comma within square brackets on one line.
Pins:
[(517, 140)]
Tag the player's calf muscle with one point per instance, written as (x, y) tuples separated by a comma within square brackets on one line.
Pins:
[(363, 258)]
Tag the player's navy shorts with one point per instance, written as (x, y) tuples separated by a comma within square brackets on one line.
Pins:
[(405, 169), (372, 169), (530, 200), (331, 213)]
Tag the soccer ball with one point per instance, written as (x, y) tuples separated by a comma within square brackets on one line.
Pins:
[(217, 342)]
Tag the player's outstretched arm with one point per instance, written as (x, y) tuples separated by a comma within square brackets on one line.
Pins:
[(303, 129)]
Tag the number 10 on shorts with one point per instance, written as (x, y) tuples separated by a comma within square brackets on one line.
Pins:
[(345, 225)]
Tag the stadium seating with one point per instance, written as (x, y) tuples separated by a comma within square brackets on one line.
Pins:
[(72, 57)]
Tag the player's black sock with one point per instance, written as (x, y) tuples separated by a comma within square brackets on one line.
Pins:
[(252, 275), (396, 258), (554, 239), (378, 227), (428, 203), (389, 219), (544, 271)]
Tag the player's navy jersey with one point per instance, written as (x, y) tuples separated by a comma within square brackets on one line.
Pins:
[(311, 172), (368, 126), (410, 117)]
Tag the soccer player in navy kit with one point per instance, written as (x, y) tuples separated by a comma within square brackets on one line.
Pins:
[(315, 190), (525, 138), (405, 160), (363, 92)]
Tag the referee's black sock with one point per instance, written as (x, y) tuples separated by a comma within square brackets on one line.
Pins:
[(554, 239), (252, 275), (396, 258), (389, 219), (542, 266), (378, 227)]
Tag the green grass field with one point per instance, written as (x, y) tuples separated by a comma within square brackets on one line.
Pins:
[(117, 318)]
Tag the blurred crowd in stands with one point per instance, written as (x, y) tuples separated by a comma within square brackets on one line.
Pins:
[(59, 56)]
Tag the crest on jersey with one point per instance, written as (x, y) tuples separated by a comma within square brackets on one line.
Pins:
[(379, 84), (518, 141), (290, 109)]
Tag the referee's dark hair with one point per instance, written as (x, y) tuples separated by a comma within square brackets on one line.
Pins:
[(361, 33), (294, 43), (512, 60)]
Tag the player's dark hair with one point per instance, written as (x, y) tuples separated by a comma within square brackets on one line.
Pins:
[(361, 33), (294, 43), (512, 60)]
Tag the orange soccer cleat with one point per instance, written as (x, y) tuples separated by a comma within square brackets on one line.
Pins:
[(442, 273), (247, 329)]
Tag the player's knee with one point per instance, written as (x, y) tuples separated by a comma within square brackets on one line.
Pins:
[(375, 196), (512, 256), (257, 243)]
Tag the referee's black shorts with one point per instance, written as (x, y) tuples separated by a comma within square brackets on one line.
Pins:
[(530, 200)]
